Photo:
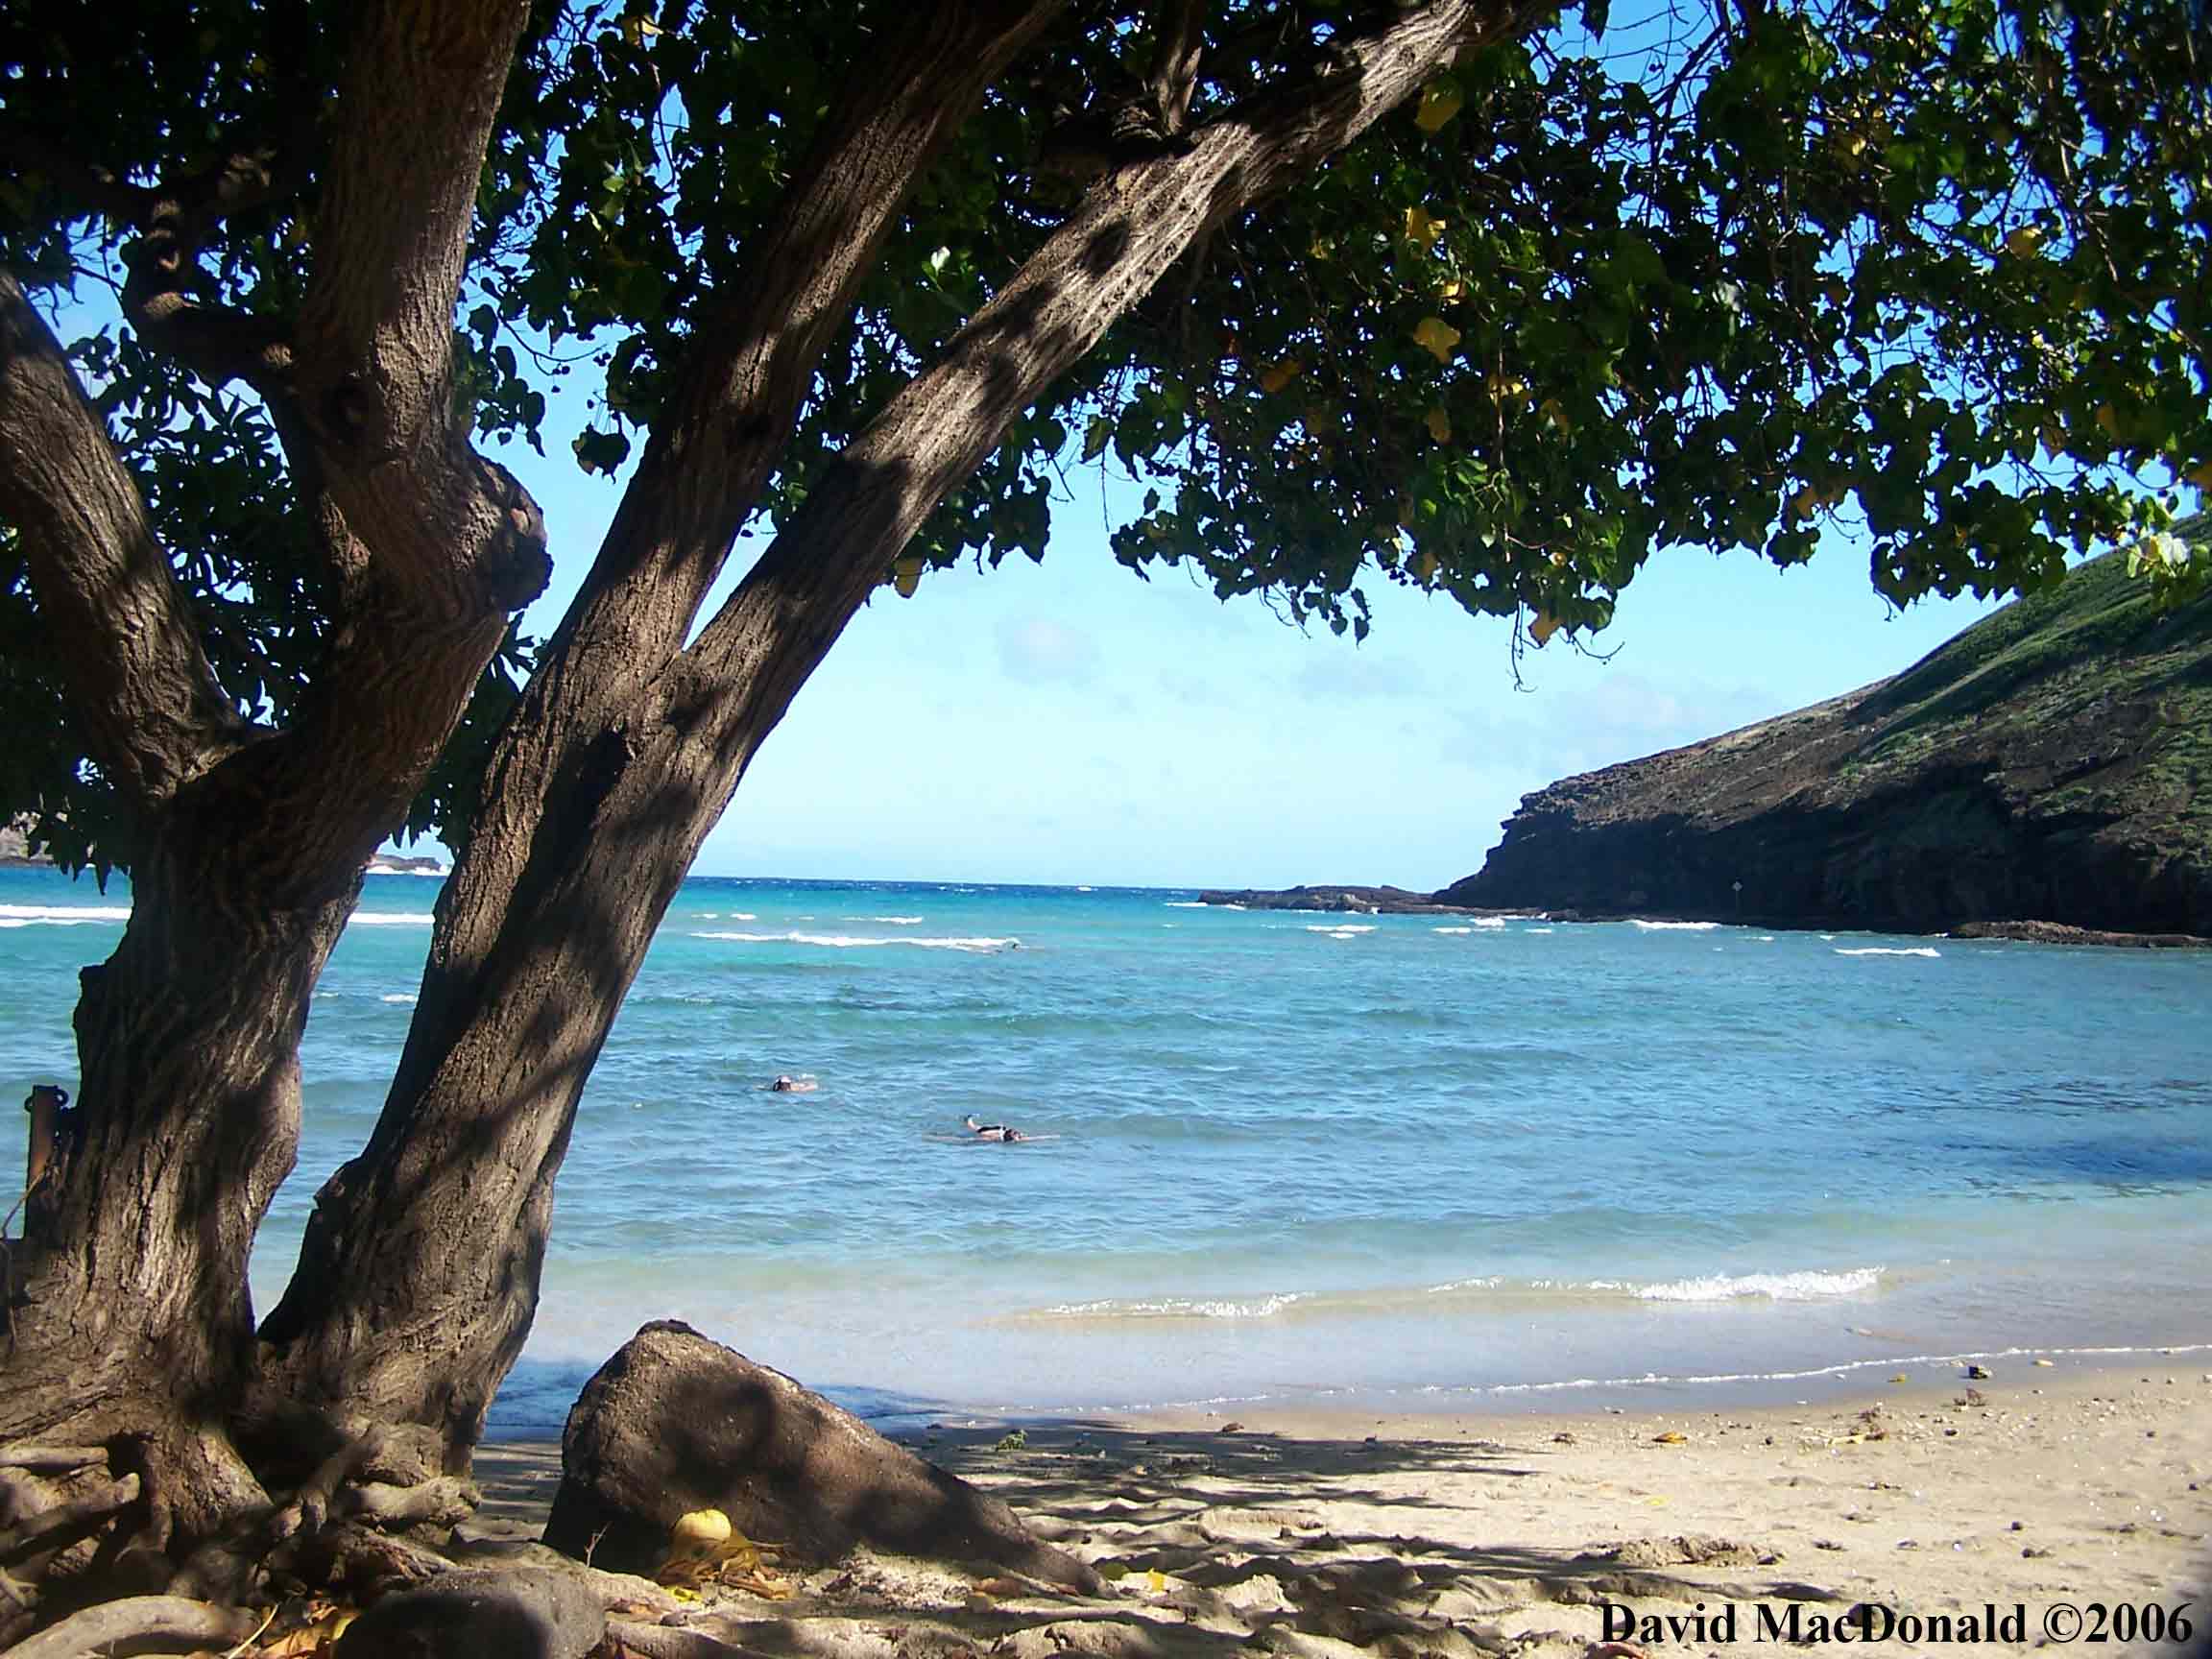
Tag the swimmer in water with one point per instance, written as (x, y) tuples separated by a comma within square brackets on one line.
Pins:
[(990, 1131), (786, 1084)]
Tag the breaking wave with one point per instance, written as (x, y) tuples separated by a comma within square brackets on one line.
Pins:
[(854, 941), (61, 915)]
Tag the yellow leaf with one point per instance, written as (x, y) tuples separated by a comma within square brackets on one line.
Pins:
[(1802, 503), (1452, 290), (1439, 426), (1421, 226), (906, 576), (1440, 101), (2024, 241), (1157, 1579), (1428, 568), (1503, 386), (2109, 418), (1539, 631), (1278, 375), (1557, 415), (2053, 440), (1436, 337), (683, 1593), (1670, 1437)]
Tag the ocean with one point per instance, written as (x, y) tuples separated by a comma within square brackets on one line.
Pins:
[(1411, 1162)]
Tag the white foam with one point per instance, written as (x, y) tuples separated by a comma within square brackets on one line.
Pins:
[(852, 941), (1802, 1287), (394, 918), (1672, 926), (1888, 950), (399, 997), (891, 920), (1084, 889), (1489, 1282), (61, 915), (1343, 930), (1189, 905), (1178, 1308), (438, 874), (1450, 930), (1842, 1369), (1535, 930)]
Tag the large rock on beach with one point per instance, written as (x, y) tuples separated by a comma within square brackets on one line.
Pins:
[(527, 1614), (675, 1423)]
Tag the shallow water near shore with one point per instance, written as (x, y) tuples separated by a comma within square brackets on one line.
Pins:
[(1294, 1157)]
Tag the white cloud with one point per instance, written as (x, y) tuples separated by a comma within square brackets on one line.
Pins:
[(1039, 650)]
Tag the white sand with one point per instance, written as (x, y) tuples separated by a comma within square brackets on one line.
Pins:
[(1316, 1535)]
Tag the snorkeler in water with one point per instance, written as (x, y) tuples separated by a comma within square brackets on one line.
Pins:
[(786, 1084), (990, 1131)]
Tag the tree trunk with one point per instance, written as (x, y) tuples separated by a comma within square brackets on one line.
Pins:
[(418, 1276), (130, 1314)]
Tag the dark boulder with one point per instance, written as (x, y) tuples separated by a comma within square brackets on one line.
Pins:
[(675, 1422), (526, 1614)]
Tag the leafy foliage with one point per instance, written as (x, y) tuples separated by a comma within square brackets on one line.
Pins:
[(1935, 267)]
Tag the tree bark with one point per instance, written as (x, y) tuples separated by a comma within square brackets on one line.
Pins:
[(512, 1013), (420, 1274), (127, 1318)]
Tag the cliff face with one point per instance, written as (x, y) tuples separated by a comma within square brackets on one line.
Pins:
[(2050, 762)]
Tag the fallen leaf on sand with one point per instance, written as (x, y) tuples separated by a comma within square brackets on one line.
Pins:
[(1671, 1438)]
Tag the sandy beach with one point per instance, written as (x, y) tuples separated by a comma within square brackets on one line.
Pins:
[(2044, 1499)]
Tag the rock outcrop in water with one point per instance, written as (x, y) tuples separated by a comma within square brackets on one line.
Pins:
[(1356, 900), (2050, 763)]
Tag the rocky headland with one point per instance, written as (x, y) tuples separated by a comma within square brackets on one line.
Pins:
[(2041, 777), (2048, 765)]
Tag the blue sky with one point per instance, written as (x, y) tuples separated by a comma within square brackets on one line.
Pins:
[(1070, 723)]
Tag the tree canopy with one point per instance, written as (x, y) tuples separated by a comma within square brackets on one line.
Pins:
[(1477, 296), (1609, 283)]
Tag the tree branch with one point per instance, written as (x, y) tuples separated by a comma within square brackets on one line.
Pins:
[(737, 395), (456, 536), (1127, 232), (422, 86), (740, 390), (1176, 61), (150, 709)]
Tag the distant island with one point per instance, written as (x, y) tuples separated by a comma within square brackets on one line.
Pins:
[(2041, 775)]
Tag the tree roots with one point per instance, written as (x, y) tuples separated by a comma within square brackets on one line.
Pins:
[(141, 1625), (82, 1556)]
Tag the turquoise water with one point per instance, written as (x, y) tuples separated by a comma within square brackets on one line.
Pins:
[(1411, 1159)]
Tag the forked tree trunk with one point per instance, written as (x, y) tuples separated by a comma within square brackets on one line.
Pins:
[(420, 1274), (129, 1312)]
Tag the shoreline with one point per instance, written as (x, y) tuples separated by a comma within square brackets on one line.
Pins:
[(1332, 901), (1313, 1534)]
